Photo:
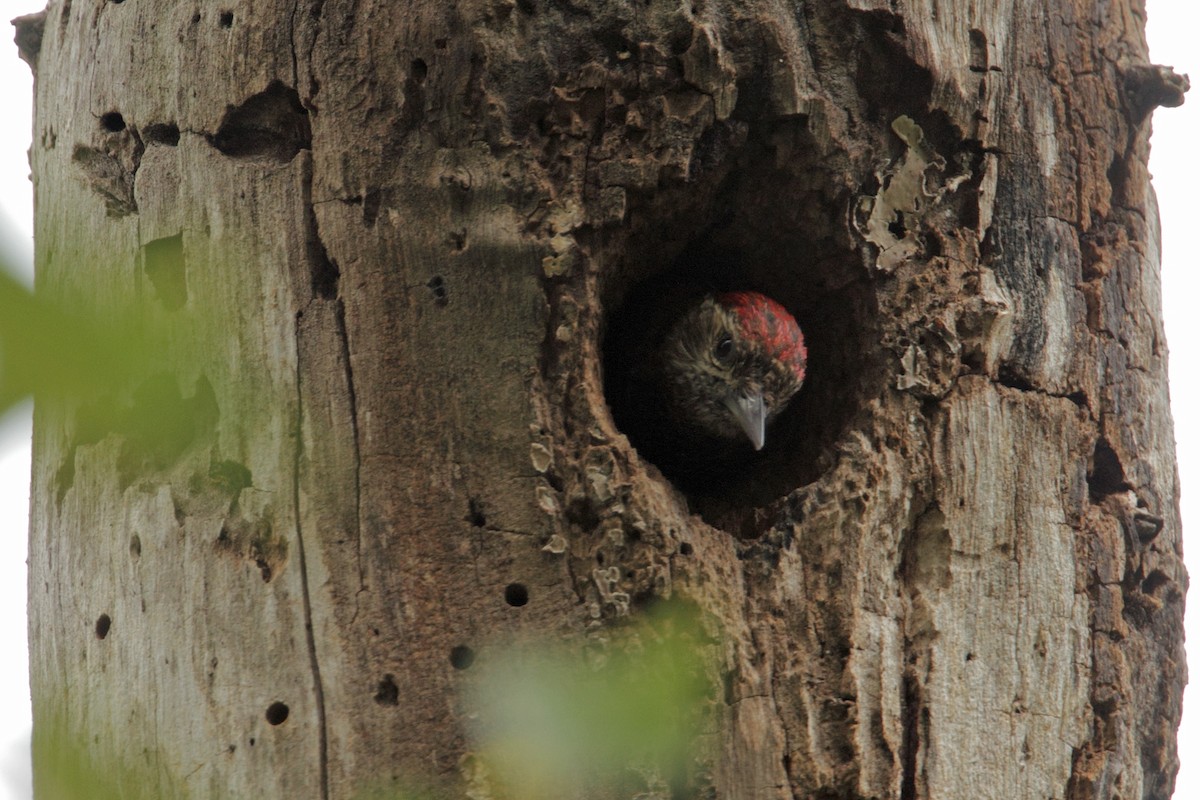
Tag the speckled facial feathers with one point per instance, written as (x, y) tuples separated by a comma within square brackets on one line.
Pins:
[(728, 347)]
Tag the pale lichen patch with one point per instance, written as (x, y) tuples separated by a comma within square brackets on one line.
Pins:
[(908, 188)]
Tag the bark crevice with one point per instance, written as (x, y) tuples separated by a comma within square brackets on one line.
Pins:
[(318, 688)]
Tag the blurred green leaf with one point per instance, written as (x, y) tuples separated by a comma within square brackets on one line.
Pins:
[(553, 718), (45, 350), (140, 359), (66, 768)]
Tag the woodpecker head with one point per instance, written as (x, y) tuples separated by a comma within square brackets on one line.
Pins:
[(731, 363)]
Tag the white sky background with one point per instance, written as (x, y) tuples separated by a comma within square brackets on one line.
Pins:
[(1175, 162)]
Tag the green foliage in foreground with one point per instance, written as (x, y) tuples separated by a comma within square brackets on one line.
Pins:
[(119, 362), (626, 716), (48, 351), (66, 769)]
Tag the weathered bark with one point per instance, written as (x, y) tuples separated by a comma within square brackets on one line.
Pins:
[(955, 573)]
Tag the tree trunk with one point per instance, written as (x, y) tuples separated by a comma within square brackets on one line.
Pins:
[(388, 243)]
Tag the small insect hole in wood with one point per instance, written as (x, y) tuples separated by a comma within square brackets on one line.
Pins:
[(277, 714), (516, 594), (166, 133), (437, 285), (388, 693), (112, 122), (462, 657), (475, 514)]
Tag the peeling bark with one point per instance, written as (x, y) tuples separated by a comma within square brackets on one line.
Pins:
[(956, 570)]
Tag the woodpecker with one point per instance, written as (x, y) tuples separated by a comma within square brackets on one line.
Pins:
[(730, 364), (699, 390)]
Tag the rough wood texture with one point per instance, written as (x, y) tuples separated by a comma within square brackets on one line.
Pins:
[(955, 573)]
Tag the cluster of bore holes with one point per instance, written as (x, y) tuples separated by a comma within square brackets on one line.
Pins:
[(276, 714), (224, 19), (462, 656), (158, 132)]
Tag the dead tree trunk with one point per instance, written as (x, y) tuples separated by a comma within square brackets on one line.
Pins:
[(954, 573)]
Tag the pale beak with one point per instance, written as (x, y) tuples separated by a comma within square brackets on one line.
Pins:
[(751, 414)]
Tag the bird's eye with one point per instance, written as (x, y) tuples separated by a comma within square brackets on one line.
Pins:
[(723, 349)]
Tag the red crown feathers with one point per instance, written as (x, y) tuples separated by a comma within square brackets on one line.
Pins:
[(766, 321)]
